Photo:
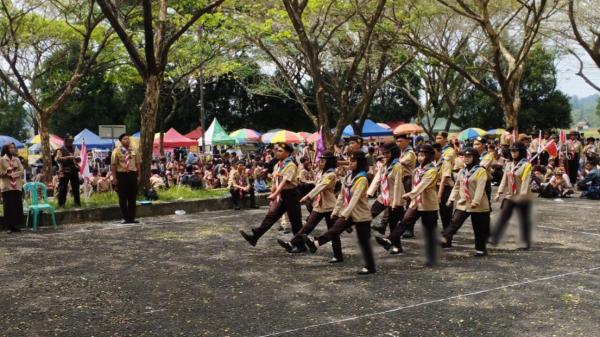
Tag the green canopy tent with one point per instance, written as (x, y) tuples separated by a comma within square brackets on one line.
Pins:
[(216, 135)]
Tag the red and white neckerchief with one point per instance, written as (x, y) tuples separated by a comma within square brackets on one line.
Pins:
[(281, 166), (321, 176), (127, 155), (385, 190), (512, 179), (417, 179), (465, 181), (348, 186)]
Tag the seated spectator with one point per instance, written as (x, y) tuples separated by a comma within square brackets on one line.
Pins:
[(222, 178), (239, 185), (191, 178), (104, 183), (590, 185), (156, 181), (260, 182)]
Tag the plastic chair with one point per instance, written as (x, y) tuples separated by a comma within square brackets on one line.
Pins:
[(37, 190)]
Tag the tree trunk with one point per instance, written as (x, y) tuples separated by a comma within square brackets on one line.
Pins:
[(45, 146), (148, 113), (511, 111)]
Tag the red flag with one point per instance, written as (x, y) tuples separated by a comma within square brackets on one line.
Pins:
[(84, 170), (552, 149)]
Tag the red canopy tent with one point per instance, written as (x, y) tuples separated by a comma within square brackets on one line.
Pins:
[(172, 139), (195, 134)]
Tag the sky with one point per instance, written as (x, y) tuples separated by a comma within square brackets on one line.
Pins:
[(570, 83)]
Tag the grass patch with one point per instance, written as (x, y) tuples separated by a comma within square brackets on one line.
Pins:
[(186, 193)]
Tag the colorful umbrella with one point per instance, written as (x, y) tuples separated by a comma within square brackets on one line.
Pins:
[(470, 133), (313, 138), (282, 136), (243, 136), (404, 129), (7, 140), (305, 135), (496, 132)]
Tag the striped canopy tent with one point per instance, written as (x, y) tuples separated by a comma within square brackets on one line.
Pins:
[(216, 135), (245, 136), (470, 133), (282, 136)]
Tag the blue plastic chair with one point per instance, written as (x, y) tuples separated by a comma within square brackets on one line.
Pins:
[(37, 190)]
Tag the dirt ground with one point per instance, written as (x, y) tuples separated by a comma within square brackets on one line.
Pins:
[(193, 275)]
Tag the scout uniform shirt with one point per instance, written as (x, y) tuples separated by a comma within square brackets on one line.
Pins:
[(126, 160), (353, 203), (515, 181), (305, 176), (237, 178), (408, 158), (424, 191), (286, 171), (470, 188), (574, 148), (67, 166), (447, 165), (388, 180), (323, 194), (8, 168)]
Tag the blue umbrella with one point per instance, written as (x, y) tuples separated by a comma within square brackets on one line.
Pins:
[(7, 140)]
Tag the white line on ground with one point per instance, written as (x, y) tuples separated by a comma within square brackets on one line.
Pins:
[(353, 318), (568, 230)]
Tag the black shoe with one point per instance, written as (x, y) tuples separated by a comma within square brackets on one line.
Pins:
[(287, 231), (408, 235), (133, 221), (480, 254), (298, 249), (525, 248), (446, 245), (429, 264), (123, 222), (385, 243), (286, 245), (335, 260), (310, 243), (237, 208), (379, 229), (15, 230), (396, 250), (366, 271), (249, 237)]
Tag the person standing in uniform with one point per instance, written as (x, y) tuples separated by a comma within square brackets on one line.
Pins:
[(323, 197), (351, 209), (125, 165), (388, 181), (11, 184), (408, 159), (486, 158), (574, 150), (446, 181), (285, 198), (515, 184), (68, 172), (423, 205), (470, 193), (240, 186)]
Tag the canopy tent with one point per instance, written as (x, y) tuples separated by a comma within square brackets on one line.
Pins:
[(440, 125), (194, 134), (370, 129), (7, 140), (216, 135), (136, 135), (244, 136), (173, 139), (92, 140), (385, 126)]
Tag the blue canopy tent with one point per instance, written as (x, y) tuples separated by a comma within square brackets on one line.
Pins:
[(370, 129), (92, 141), (7, 140)]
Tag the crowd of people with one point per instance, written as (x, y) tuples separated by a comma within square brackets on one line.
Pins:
[(412, 179)]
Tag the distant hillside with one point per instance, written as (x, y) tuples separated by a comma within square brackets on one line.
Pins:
[(585, 109)]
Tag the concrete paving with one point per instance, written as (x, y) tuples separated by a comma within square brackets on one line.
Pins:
[(193, 275)]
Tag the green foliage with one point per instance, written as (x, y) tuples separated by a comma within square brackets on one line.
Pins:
[(586, 109), (13, 115)]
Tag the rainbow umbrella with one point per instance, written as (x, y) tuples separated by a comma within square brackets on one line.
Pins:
[(305, 135), (470, 133), (244, 136), (282, 136), (313, 137), (496, 132)]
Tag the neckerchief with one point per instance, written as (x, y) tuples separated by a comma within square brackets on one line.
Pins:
[(348, 186), (11, 180), (125, 152), (417, 179), (385, 190), (465, 182), (281, 166), (512, 177), (319, 198)]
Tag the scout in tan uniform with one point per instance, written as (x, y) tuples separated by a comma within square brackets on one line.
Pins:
[(423, 204), (515, 184), (306, 180), (408, 159), (323, 197), (388, 181), (574, 151), (285, 198), (486, 159), (446, 182), (239, 185), (68, 172), (351, 208), (125, 165), (11, 184), (471, 200)]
